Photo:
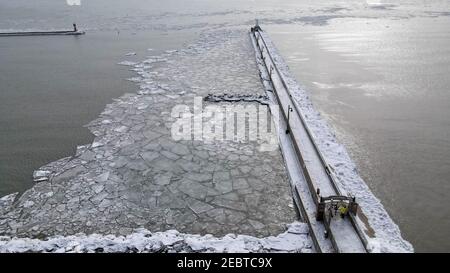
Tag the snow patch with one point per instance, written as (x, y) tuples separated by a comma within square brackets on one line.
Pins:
[(295, 239), (41, 175), (127, 63)]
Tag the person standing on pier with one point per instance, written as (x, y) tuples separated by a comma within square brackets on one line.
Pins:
[(75, 27)]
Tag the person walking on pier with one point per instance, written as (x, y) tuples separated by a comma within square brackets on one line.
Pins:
[(343, 209)]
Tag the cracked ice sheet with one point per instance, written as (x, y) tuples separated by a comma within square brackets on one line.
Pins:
[(134, 175)]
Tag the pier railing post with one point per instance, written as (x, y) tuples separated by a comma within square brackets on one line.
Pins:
[(287, 124)]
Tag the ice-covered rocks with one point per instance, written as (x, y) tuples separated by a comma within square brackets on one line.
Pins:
[(295, 239)]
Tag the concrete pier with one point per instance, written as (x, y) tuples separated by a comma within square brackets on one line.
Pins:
[(74, 32)]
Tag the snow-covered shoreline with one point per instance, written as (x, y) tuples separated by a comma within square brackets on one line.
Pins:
[(294, 240)]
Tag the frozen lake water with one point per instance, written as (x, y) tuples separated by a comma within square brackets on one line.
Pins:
[(51, 87), (135, 174)]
